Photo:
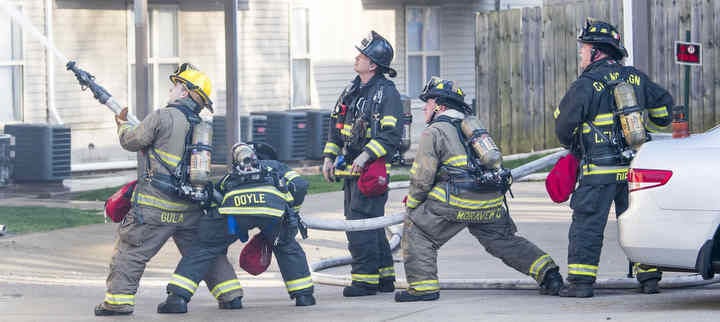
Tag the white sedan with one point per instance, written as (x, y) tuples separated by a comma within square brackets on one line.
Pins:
[(674, 216)]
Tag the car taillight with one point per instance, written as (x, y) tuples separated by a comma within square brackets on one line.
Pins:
[(639, 179)]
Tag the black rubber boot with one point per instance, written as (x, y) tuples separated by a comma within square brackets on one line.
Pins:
[(356, 290), (173, 304), (234, 304), (103, 309), (577, 290), (405, 296), (552, 282), (387, 286), (650, 286), (304, 300)]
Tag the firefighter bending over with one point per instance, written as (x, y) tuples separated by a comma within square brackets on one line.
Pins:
[(262, 194), (457, 181)]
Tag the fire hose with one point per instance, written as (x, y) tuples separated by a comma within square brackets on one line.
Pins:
[(393, 220)]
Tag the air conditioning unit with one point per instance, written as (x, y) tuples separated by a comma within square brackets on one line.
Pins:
[(7, 158), (287, 132), (318, 126), (219, 140), (42, 152), (254, 128)]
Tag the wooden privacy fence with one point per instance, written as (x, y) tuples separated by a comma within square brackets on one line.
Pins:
[(527, 58)]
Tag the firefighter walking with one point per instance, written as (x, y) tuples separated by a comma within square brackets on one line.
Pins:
[(456, 185), (158, 212), (363, 130), (257, 193), (600, 120)]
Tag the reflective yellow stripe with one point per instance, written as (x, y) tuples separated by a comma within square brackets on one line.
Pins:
[(412, 202), (638, 269), (376, 148), (120, 299), (346, 173), (366, 278), (604, 119), (251, 211), (388, 121), (147, 200), (346, 130), (225, 287), (368, 133), (291, 175), (658, 111), (331, 148), (457, 161), (582, 269), (440, 195), (285, 196), (592, 169), (168, 158), (539, 264), (556, 113), (297, 208), (427, 285), (299, 284), (183, 282), (124, 127), (415, 165), (387, 271)]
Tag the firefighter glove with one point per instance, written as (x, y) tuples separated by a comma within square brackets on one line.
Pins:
[(328, 170), (121, 117), (359, 162)]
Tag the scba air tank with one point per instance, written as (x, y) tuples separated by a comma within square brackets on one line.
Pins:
[(631, 118), (201, 154), (481, 142)]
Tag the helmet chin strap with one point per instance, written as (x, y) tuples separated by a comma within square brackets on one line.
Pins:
[(593, 54)]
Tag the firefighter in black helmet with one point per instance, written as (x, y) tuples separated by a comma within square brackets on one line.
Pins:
[(587, 122), (364, 129)]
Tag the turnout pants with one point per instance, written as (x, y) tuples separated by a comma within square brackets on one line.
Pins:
[(425, 231), (370, 250), (591, 207), (214, 240), (138, 242)]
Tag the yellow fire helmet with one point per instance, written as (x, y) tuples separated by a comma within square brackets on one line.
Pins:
[(195, 81)]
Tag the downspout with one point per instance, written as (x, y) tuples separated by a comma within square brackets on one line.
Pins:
[(628, 31), (50, 65)]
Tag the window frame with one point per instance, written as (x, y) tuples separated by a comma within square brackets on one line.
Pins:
[(154, 62), (422, 53), (20, 65), (300, 56)]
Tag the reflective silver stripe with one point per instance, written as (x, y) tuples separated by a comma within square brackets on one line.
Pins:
[(387, 271), (366, 278), (251, 211), (225, 287), (582, 269), (120, 299), (412, 202), (148, 200), (439, 194), (299, 284), (537, 266), (427, 285), (184, 283), (331, 148)]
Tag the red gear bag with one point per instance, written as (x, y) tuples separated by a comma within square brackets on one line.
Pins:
[(118, 205), (374, 180), (560, 182), (256, 255)]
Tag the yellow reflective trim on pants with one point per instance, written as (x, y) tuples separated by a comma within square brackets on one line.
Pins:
[(658, 111), (224, 287), (412, 202), (582, 269), (637, 268), (539, 264), (183, 282), (456, 161), (285, 196), (427, 285), (251, 211), (331, 148), (152, 201), (387, 271), (366, 278), (120, 299), (440, 195), (376, 148), (167, 157), (592, 169), (299, 284)]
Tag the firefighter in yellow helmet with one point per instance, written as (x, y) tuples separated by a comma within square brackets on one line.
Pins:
[(160, 208), (453, 188)]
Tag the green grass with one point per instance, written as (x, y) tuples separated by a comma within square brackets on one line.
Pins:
[(35, 219), (95, 195)]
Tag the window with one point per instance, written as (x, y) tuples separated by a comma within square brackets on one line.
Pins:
[(300, 51), (164, 56), (11, 71), (423, 46)]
